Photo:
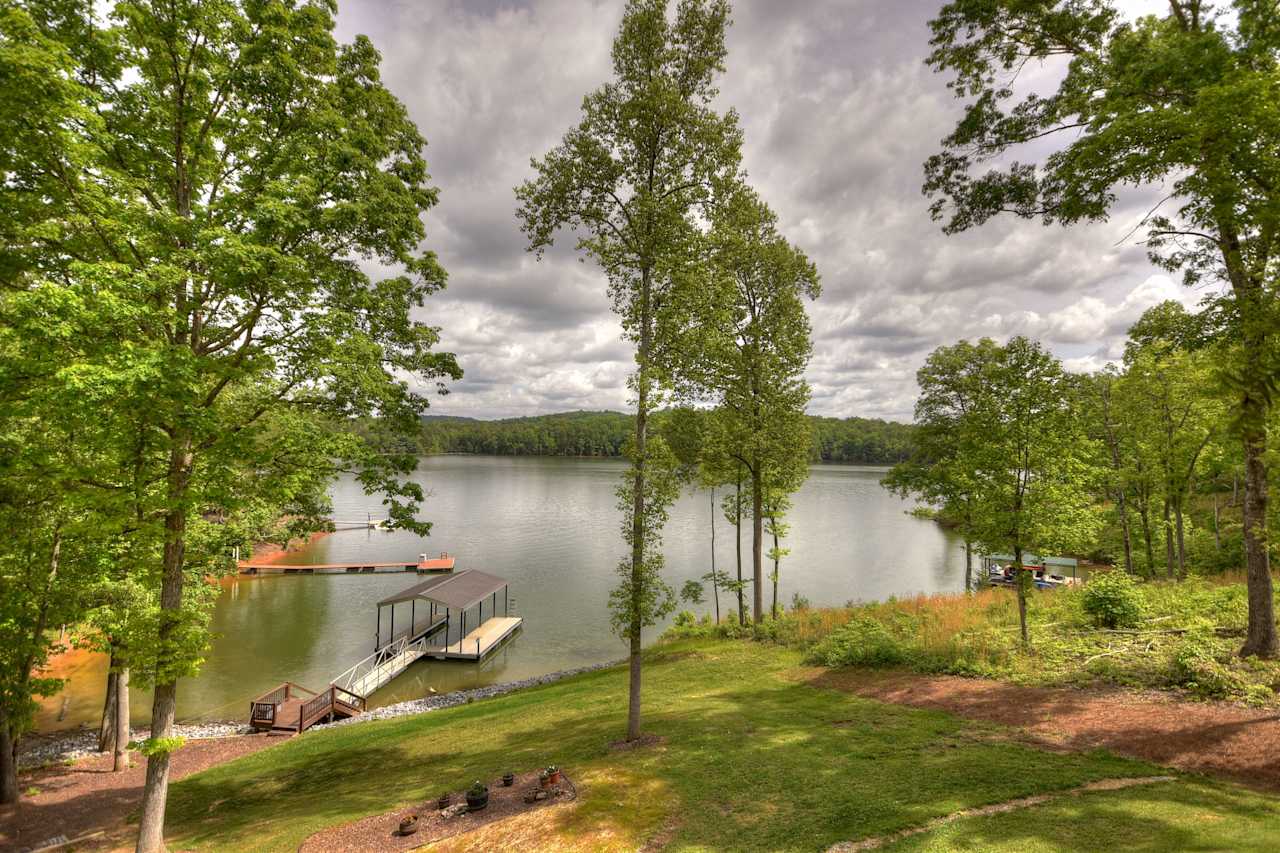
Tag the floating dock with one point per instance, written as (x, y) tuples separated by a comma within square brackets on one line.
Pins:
[(443, 563)]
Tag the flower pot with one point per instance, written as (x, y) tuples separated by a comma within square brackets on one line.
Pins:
[(444, 802), (508, 779), (545, 781), (409, 825), (554, 778), (475, 802)]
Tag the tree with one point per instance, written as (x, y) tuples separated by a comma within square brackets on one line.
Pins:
[(1188, 102), (1032, 469), (752, 344), (634, 177), (950, 422), (775, 507), (240, 163)]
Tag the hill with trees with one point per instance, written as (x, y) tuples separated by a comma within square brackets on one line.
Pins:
[(862, 441)]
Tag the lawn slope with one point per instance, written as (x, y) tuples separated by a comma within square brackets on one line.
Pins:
[(754, 758)]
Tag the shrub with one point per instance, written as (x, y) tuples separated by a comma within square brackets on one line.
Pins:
[(1197, 668), (1113, 600), (860, 642)]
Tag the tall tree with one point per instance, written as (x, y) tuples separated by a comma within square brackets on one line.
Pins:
[(752, 343), (241, 165), (949, 416), (634, 177), (1033, 467), (1188, 102)]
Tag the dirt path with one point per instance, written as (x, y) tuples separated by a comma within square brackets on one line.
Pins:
[(87, 796), (1237, 743)]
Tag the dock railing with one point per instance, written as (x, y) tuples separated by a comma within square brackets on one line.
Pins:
[(377, 669), (262, 711)]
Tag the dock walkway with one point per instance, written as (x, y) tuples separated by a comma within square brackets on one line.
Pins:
[(443, 563)]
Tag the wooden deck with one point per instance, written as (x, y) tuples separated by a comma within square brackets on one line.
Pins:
[(443, 563), (291, 708), (479, 642)]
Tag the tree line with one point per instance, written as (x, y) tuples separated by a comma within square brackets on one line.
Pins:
[(860, 441)]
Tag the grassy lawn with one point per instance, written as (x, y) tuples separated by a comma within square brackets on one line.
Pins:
[(1182, 815), (754, 759)]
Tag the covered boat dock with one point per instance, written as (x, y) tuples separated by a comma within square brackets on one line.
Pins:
[(455, 603)]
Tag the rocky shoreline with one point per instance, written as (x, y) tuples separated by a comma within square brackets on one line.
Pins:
[(39, 750)]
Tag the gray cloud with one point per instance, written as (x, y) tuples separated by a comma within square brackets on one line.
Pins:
[(839, 113)]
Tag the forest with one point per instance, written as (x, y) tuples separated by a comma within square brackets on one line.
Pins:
[(859, 441)]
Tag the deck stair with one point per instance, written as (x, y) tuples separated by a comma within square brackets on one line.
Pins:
[(292, 708)]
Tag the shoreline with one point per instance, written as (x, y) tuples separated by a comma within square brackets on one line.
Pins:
[(39, 750)]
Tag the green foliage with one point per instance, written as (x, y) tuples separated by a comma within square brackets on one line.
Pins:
[(862, 641), (566, 434), (1112, 600), (153, 746), (691, 592)]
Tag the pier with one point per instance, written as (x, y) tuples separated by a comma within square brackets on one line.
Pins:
[(423, 565), (450, 603)]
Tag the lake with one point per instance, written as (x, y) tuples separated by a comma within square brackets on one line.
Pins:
[(551, 527)]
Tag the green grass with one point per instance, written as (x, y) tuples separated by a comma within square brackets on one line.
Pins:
[(755, 759), (1158, 818)]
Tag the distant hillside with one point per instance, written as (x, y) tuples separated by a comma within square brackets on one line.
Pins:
[(853, 440)]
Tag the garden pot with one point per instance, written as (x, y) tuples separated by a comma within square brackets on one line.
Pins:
[(409, 825), (444, 802), (554, 778), (475, 802), (545, 781), (508, 779)]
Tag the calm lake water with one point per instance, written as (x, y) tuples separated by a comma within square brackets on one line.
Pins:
[(549, 526)]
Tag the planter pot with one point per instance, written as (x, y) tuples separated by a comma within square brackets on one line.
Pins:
[(545, 781), (409, 825), (554, 778), (475, 802), (508, 779), (444, 801)]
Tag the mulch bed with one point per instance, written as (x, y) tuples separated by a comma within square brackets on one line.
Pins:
[(1220, 739), (382, 832), (87, 796)]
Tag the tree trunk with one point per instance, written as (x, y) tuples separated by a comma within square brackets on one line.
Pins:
[(8, 762), (968, 566), (120, 759), (1168, 541), (638, 511), (776, 569), (715, 578), (165, 701), (107, 728), (737, 539), (1126, 534), (1145, 515), (1217, 534), (1182, 541), (757, 545), (1020, 584), (1261, 638)]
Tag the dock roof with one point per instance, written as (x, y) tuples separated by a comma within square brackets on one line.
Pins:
[(457, 591)]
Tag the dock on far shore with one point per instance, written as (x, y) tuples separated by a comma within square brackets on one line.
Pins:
[(443, 563)]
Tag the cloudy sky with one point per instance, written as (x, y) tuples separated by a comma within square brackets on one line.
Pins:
[(839, 113)]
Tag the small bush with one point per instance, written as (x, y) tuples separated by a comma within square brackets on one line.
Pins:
[(685, 619), (1113, 600), (861, 642)]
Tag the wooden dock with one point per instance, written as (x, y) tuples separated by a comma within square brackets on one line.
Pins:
[(491, 633), (443, 563)]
